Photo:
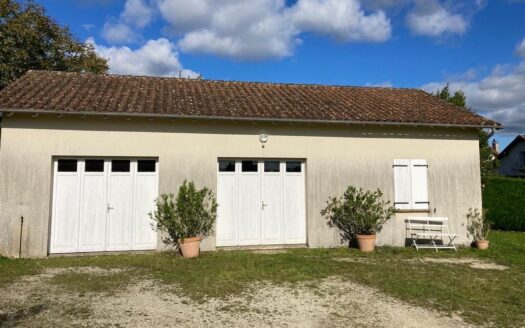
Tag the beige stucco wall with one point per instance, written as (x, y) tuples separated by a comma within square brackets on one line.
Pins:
[(336, 156)]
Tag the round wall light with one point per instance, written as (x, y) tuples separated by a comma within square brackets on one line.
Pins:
[(263, 138)]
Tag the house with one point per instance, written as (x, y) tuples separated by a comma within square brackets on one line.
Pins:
[(83, 157), (512, 158)]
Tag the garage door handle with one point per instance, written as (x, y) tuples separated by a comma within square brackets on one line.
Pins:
[(110, 208), (263, 205)]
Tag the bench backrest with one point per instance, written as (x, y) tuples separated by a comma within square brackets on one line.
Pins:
[(427, 224)]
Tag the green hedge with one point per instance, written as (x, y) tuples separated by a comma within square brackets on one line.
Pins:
[(505, 200)]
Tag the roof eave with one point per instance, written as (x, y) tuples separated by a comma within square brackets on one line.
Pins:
[(258, 119), (511, 145)]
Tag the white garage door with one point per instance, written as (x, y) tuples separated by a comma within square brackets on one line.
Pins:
[(260, 202), (103, 205)]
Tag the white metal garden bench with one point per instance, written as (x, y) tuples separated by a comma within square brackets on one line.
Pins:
[(432, 229)]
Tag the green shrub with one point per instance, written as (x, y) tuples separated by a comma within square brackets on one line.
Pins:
[(478, 224), (191, 213), (358, 212), (505, 200)]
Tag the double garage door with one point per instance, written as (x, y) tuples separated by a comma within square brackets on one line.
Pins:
[(261, 202), (103, 205)]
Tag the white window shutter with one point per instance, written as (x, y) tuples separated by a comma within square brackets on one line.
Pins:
[(419, 169), (402, 184)]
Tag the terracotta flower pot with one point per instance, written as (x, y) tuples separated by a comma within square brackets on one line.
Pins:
[(366, 243), (190, 247), (482, 244)]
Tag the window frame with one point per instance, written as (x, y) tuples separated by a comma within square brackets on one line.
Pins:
[(230, 161), (64, 160), (293, 162), (249, 160), (411, 185), (278, 162), (86, 160), (151, 161), (111, 170)]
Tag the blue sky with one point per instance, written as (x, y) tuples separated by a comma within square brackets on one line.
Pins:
[(476, 45)]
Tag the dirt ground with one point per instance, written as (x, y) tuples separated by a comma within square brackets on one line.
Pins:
[(473, 263), (34, 302)]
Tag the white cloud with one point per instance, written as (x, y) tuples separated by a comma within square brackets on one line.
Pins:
[(255, 29), (155, 58), (520, 48), (430, 18), (259, 29), (468, 75), (384, 4), (88, 27), (342, 19), (385, 84), (498, 95), (184, 15), (137, 13), (117, 32), (262, 29)]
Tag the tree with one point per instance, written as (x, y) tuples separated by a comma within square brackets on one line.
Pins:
[(488, 162), (31, 40), (458, 98)]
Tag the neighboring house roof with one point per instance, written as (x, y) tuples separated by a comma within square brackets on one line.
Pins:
[(61, 92), (508, 149)]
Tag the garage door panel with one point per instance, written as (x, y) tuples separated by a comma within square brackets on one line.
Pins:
[(103, 205), (64, 232), (93, 213), (120, 217), (260, 202), (249, 209), (145, 236), (227, 200), (272, 221)]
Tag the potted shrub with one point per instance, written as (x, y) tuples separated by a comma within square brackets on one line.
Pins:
[(186, 218), (358, 214), (478, 227)]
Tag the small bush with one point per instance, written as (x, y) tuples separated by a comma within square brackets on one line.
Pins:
[(358, 212), (478, 225), (505, 200), (191, 213)]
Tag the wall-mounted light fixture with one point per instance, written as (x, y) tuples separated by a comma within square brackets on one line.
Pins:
[(263, 138)]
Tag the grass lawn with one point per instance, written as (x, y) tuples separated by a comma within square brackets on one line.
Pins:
[(480, 296)]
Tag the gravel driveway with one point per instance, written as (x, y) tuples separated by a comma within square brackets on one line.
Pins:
[(34, 302)]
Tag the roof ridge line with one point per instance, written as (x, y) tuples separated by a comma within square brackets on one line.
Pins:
[(126, 76)]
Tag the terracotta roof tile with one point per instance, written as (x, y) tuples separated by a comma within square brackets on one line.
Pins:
[(83, 92)]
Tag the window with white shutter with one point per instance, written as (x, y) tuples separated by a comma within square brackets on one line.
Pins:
[(410, 184)]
